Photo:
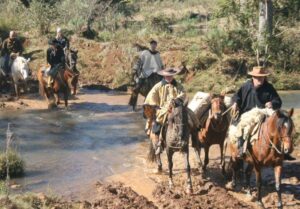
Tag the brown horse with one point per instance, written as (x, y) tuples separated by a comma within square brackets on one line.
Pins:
[(71, 62), (214, 130), (274, 140), (61, 84)]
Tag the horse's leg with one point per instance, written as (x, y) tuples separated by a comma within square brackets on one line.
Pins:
[(66, 97), (188, 171), (159, 163), (17, 90), (206, 160), (234, 169), (248, 176), (197, 151), (258, 186), (56, 98), (197, 148), (170, 163), (277, 172), (221, 152)]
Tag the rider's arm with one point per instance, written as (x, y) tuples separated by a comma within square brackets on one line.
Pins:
[(4, 49), (19, 47), (49, 60)]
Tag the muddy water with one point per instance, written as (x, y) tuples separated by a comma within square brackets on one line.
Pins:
[(66, 152)]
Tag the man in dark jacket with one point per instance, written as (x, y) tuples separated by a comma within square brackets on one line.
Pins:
[(257, 92), (56, 60), (10, 46)]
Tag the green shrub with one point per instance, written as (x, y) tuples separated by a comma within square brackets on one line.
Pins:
[(16, 165)]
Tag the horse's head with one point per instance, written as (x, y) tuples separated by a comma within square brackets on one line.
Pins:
[(71, 58), (178, 124), (217, 107), (284, 129), (20, 68)]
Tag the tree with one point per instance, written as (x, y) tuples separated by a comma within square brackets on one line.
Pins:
[(265, 22)]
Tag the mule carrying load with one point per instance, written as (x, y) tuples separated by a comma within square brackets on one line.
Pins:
[(212, 111)]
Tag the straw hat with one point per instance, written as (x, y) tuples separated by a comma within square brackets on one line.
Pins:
[(259, 71), (169, 72)]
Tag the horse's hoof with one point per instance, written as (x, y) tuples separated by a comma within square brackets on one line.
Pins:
[(171, 184)]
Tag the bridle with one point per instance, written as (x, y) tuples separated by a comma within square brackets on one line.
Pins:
[(281, 139)]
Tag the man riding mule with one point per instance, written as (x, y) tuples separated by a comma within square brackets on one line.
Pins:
[(11, 48), (259, 93), (145, 72), (162, 96)]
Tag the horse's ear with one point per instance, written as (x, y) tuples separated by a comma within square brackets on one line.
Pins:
[(291, 112)]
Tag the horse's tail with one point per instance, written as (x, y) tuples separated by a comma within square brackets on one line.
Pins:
[(151, 154)]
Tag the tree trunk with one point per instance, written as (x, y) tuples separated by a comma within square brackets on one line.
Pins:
[(265, 22)]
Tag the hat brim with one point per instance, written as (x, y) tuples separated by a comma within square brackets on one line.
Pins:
[(259, 74), (167, 73)]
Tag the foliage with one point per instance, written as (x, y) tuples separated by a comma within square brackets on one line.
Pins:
[(16, 164)]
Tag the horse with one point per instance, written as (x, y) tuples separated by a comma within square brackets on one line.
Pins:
[(214, 129), (20, 73), (274, 140), (65, 80), (143, 87), (71, 56), (176, 138)]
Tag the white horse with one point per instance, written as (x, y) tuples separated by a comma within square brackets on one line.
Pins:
[(20, 73)]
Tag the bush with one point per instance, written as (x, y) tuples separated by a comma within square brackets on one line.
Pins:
[(16, 165)]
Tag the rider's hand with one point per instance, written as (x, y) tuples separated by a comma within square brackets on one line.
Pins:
[(269, 105), (235, 107)]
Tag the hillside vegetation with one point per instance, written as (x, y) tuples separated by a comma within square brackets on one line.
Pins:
[(215, 39)]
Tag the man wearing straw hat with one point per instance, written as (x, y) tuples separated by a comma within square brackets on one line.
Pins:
[(255, 99), (161, 96)]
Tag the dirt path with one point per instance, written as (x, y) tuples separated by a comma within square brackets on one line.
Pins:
[(209, 190)]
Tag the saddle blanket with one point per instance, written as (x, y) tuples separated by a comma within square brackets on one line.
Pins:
[(249, 124)]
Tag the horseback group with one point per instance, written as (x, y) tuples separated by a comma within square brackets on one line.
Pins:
[(251, 123), (14, 67), (60, 74)]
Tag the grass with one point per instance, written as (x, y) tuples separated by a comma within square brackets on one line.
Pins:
[(16, 165)]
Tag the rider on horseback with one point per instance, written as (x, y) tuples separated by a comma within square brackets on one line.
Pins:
[(145, 71), (11, 48), (56, 60), (259, 93), (162, 95)]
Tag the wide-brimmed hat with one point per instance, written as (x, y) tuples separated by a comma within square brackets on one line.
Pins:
[(169, 72), (259, 71)]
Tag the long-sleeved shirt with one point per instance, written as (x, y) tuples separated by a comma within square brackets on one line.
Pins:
[(148, 63), (162, 94), (248, 97), (63, 42), (55, 57)]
